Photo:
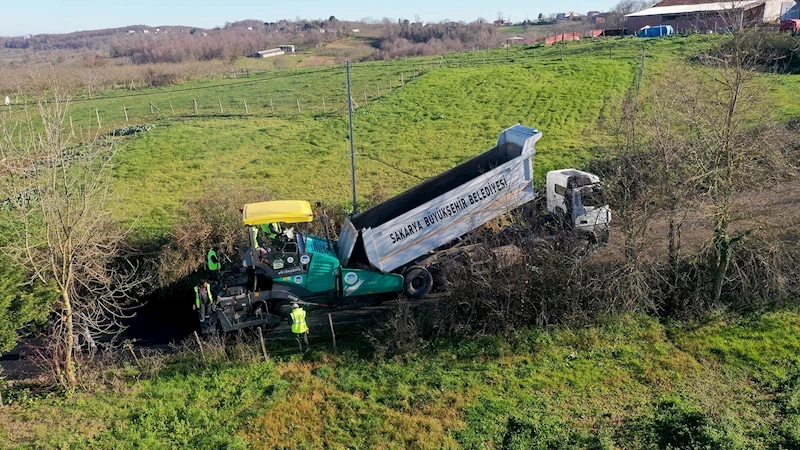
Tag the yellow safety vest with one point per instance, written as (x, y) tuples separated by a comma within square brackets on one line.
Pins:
[(197, 294), (298, 316)]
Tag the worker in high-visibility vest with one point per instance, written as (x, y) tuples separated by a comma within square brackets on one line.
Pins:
[(213, 263), (254, 237), (203, 300), (299, 327)]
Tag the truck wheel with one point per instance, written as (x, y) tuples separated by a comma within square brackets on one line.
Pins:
[(417, 282)]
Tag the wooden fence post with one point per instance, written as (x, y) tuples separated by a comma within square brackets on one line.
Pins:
[(99, 125), (220, 105), (246, 110), (171, 108), (298, 106), (263, 347), (72, 128), (130, 347), (126, 112), (202, 353), (324, 109), (195, 106), (333, 333)]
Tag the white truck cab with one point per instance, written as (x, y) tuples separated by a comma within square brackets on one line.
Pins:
[(576, 197)]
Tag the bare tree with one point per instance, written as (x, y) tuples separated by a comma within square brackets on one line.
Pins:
[(616, 17), (731, 142), (62, 229), (703, 136)]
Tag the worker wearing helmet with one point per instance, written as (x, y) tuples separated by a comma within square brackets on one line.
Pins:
[(202, 300), (299, 327)]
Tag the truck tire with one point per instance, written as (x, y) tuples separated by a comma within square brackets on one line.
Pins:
[(417, 282)]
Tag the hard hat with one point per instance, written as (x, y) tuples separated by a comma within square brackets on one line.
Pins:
[(295, 305)]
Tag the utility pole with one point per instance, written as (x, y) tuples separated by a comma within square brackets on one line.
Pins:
[(352, 150)]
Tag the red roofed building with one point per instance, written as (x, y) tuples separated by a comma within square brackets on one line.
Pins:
[(705, 15)]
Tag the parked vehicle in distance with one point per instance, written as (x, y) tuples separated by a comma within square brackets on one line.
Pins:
[(656, 31)]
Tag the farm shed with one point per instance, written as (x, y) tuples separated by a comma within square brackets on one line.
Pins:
[(702, 15), (267, 53)]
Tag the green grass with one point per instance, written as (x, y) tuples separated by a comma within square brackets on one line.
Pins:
[(728, 382), (452, 110), (448, 109)]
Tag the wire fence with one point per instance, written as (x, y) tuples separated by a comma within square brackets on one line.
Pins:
[(312, 91)]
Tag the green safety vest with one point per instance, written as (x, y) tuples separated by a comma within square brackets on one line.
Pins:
[(298, 316), (271, 229), (212, 265), (197, 294)]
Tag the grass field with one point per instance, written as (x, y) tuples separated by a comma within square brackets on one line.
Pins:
[(414, 119), (726, 382), (287, 129)]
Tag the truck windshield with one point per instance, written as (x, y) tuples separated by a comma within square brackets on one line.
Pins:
[(593, 196)]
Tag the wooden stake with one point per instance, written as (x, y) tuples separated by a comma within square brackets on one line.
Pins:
[(246, 111), (263, 347), (130, 347), (220, 105), (298, 106), (378, 89), (323, 105), (99, 125), (171, 108), (72, 128), (333, 333), (195, 106), (401, 79), (390, 85), (365, 97), (151, 107), (271, 106), (202, 353), (126, 112)]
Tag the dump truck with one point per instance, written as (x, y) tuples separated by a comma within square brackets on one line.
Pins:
[(389, 248)]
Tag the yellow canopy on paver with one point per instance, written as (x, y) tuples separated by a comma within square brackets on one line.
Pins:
[(286, 211)]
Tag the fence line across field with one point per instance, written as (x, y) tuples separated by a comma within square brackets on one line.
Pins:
[(301, 102)]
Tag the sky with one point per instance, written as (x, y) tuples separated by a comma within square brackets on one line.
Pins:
[(23, 17)]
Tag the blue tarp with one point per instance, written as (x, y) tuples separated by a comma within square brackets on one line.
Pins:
[(657, 31)]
